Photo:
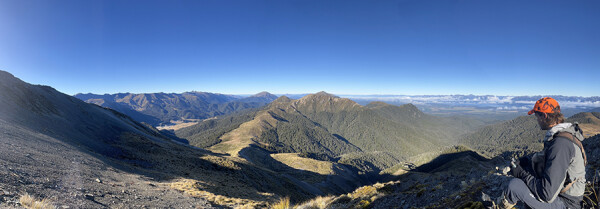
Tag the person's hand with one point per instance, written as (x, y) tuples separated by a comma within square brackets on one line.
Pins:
[(516, 170)]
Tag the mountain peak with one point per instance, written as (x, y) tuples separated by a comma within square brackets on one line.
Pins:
[(323, 101), (323, 93), (7, 78), (376, 104), (319, 96), (265, 94), (282, 99), (4, 74), (410, 106)]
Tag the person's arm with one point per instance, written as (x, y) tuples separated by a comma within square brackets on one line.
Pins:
[(558, 157)]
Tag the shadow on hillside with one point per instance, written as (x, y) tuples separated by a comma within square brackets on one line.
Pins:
[(443, 159), (267, 175), (214, 173), (345, 180), (449, 181)]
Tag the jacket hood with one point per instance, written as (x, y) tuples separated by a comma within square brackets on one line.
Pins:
[(572, 128)]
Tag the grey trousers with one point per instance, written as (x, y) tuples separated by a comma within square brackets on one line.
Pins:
[(518, 191)]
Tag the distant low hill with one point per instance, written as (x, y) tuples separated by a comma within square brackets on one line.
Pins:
[(163, 108), (588, 121), (519, 134), (326, 127)]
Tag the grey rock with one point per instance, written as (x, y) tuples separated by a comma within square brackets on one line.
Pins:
[(485, 197), (89, 196), (505, 170)]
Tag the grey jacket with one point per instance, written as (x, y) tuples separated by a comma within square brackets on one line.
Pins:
[(562, 163)]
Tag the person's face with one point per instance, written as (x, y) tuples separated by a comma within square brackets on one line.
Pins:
[(542, 122)]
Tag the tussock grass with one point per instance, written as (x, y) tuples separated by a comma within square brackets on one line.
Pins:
[(283, 203), (365, 191), (317, 203), (196, 188), (359, 199), (223, 162), (295, 161), (592, 192), (30, 202)]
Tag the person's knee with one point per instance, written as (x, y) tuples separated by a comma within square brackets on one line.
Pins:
[(516, 184), (514, 192)]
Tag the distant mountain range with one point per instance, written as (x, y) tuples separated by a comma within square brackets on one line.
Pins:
[(166, 108), (163, 108), (514, 101)]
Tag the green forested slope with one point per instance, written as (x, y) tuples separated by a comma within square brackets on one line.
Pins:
[(295, 133), (207, 133), (400, 130), (519, 134), (324, 126)]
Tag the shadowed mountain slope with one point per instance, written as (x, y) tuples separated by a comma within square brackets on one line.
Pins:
[(157, 108)]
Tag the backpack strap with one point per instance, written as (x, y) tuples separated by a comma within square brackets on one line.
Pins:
[(568, 186), (576, 142)]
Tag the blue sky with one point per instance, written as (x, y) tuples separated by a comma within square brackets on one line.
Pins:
[(342, 47)]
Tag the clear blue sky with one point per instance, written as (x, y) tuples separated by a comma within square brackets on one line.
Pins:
[(343, 47)]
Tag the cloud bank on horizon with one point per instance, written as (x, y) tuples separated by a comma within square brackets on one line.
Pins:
[(498, 102)]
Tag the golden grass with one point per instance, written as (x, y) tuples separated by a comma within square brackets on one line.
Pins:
[(283, 203), (236, 140), (359, 199), (223, 162), (365, 191), (30, 202), (590, 129), (196, 188), (317, 203), (307, 164), (363, 204), (176, 126)]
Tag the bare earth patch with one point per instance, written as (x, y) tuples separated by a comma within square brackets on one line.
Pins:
[(179, 124)]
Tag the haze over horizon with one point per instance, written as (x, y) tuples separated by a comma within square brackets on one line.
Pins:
[(294, 47)]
